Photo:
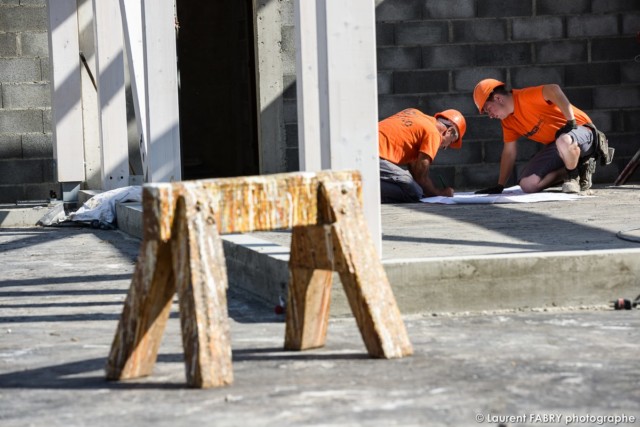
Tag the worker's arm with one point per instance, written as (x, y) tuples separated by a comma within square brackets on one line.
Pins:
[(555, 95), (420, 172), (507, 161)]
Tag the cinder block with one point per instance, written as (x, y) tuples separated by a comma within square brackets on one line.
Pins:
[(21, 121), (592, 74), (19, 19), (631, 120), (37, 145), (561, 51), (290, 111), (580, 97), (626, 146), (534, 76), (448, 173), (385, 34), (399, 58), (462, 102), (482, 127), (496, 8), (449, 9), (616, 97), (604, 120), (467, 79), (420, 81), (39, 191), (388, 105), (34, 45), (19, 70), (505, 53), (10, 147), (449, 56), (480, 30), (8, 45), (469, 153), (624, 48), (9, 2), (26, 95), (398, 10), (11, 193), (385, 83), (539, 28), (477, 176), (631, 23), (600, 6), (292, 158), (592, 25), (421, 33), (291, 132), (21, 171), (45, 66), (563, 7), (289, 83)]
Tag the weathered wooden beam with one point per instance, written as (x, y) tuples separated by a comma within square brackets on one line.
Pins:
[(364, 279), (146, 309), (144, 316), (201, 279)]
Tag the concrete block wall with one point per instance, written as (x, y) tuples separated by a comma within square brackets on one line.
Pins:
[(431, 54), (26, 150)]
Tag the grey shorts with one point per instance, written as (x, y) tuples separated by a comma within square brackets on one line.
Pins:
[(397, 185), (548, 160)]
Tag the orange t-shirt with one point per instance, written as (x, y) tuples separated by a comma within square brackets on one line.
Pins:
[(404, 135), (535, 118)]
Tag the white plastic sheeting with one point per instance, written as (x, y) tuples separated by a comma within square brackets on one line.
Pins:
[(102, 207)]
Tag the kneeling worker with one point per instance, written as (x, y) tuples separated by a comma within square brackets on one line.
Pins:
[(412, 139), (543, 114)]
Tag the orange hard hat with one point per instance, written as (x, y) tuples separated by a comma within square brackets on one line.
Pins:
[(483, 90), (458, 120)]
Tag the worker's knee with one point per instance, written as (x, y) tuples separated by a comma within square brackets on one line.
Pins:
[(530, 184)]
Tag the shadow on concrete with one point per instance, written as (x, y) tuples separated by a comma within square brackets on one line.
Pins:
[(66, 376), (73, 375), (64, 280)]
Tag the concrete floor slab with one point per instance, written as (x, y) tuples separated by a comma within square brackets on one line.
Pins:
[(61, 296)]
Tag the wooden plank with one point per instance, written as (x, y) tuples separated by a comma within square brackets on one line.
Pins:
[(311, 268), (161, 91), (66, 90), (146, 309), (112, 113), (198, 260), (256, 203), (365, 281)]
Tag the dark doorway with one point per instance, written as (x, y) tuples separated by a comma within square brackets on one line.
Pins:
[(218, 127)]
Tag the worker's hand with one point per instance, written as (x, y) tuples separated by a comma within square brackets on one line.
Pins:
[(568, 127), (446, 192), (497, 189)]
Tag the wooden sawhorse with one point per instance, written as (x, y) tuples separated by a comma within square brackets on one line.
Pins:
[(182, 252)]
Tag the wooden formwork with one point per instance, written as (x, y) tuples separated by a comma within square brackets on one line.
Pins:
[(182, 252)]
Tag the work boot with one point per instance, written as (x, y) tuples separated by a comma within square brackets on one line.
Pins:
[(571, 183), (586, 168)]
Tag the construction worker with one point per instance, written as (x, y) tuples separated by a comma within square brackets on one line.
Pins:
[(408, 143), (545, 115)]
